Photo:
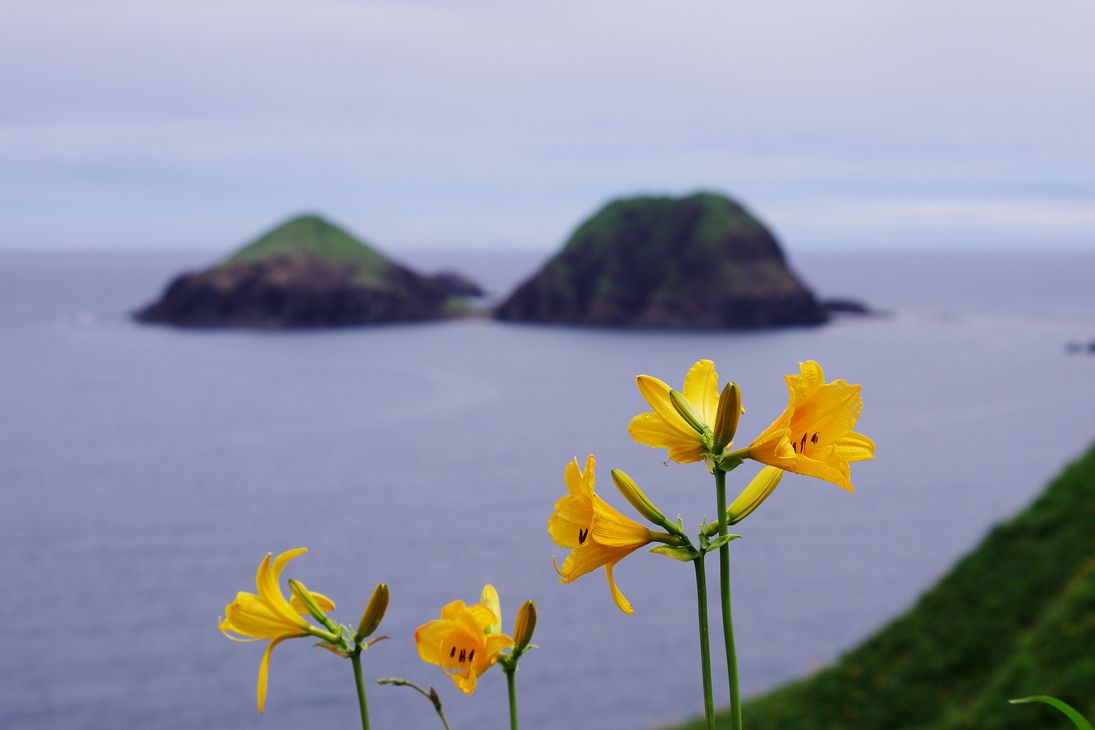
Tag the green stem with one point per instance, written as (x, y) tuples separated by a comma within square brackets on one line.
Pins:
[(705, 648), (511, 684), (355, 659), (727, 612)]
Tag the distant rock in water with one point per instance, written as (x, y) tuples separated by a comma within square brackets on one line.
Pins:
[(841, 305), (700, 261), (306, 272)]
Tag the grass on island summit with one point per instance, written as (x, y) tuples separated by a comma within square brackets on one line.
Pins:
[(312, 235), (1015, 617)]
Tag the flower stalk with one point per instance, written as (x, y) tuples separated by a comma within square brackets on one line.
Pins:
[(727, 611), (705, 646), (359, 680)]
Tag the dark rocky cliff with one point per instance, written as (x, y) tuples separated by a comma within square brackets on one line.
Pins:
[(700, 261)]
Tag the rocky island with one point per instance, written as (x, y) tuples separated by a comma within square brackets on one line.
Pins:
[(700, 261), (306, 272)]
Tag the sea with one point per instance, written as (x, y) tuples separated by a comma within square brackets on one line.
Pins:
[(145, 471)]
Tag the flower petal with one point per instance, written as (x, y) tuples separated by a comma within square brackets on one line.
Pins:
[(656, 393), (325, 604), (617, 595), (701, 388), (612, 529), (572, 516), (264, 668)]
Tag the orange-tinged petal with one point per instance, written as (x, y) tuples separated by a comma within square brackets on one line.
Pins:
[(854, 447), (614, 529), (686, 453), (701, 388), (453, 609), (586, 559), (813, 436), (428, 639), (572, 518), (572, 476)]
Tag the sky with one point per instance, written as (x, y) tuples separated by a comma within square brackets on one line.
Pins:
[(501, 125)]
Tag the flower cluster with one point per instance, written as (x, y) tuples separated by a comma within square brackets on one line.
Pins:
[(813, 436)]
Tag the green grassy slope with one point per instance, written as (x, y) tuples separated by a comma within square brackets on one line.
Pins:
[(312, 235), (1015, 617)]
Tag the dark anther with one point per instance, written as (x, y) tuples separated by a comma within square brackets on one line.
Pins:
[(582, 535), (813, 439), (802, 446), (794, 447), (452, 653), (472, 655), (463, 655)]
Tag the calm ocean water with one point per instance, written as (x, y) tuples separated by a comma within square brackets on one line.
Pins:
[(144, 472)]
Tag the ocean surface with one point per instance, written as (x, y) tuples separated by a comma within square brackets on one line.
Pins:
[(144, 472)]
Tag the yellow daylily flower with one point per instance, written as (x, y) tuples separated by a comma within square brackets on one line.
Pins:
[(813, 435), (596, 532), (268, 616), (663, 427), (460, 642)]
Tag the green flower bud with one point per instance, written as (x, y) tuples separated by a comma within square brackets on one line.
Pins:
[(374, 612), (726, 420), (631, 492), (687, 412), (305, 597)]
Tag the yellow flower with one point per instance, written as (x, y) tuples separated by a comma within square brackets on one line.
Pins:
[(664, 427), (596, 532), (267, 616), (813, 435), (460, 642)]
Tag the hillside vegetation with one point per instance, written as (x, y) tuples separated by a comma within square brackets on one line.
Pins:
[(313, 236), (1014, 617), (701, 261)]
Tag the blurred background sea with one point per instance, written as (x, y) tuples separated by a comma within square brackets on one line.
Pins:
[(144, 471)]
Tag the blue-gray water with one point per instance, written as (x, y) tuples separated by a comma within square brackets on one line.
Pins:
[(145, 471)]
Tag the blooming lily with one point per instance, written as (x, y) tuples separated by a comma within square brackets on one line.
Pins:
[(267, 616), (596, 532), (462, 641), (665, 427), (813, 435)]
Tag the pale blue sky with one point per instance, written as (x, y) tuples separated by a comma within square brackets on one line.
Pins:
[(499, 125)]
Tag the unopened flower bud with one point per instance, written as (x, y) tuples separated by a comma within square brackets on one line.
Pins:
[(374, 612), (524, 626), (489, 598), (726, 420), (631, 492), (303, 595), (763, 484), (687, 412)]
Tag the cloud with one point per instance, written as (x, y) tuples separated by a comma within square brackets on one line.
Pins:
[(506, 118)]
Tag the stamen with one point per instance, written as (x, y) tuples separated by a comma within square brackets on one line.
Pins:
[(813, 439), (802, 446), (472, 655), (794, 447), (463, 655), (582, 535), (452, 653)]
